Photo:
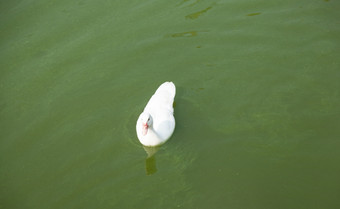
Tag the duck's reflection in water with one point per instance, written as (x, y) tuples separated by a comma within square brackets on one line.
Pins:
[(150, 161)]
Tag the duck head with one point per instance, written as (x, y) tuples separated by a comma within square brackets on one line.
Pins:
[(146, 120)]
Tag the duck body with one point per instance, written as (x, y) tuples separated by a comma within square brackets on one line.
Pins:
[(156, 123)]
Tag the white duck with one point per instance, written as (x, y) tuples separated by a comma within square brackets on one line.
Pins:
[(156, 123)]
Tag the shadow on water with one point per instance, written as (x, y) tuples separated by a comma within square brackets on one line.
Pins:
[(150, 161), (150, 165)]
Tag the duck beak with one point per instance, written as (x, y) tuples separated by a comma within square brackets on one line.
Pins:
[(145, 129)]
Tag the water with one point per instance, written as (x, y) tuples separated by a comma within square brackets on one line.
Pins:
[(257, 104)]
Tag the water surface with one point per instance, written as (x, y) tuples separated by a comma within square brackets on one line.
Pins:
[(257, 105)]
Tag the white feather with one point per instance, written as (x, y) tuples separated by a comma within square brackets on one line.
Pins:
[(160, 107)]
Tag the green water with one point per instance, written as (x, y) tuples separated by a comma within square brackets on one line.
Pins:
[(257, 105)]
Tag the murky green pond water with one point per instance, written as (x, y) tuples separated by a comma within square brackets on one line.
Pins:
[(257, 105)]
